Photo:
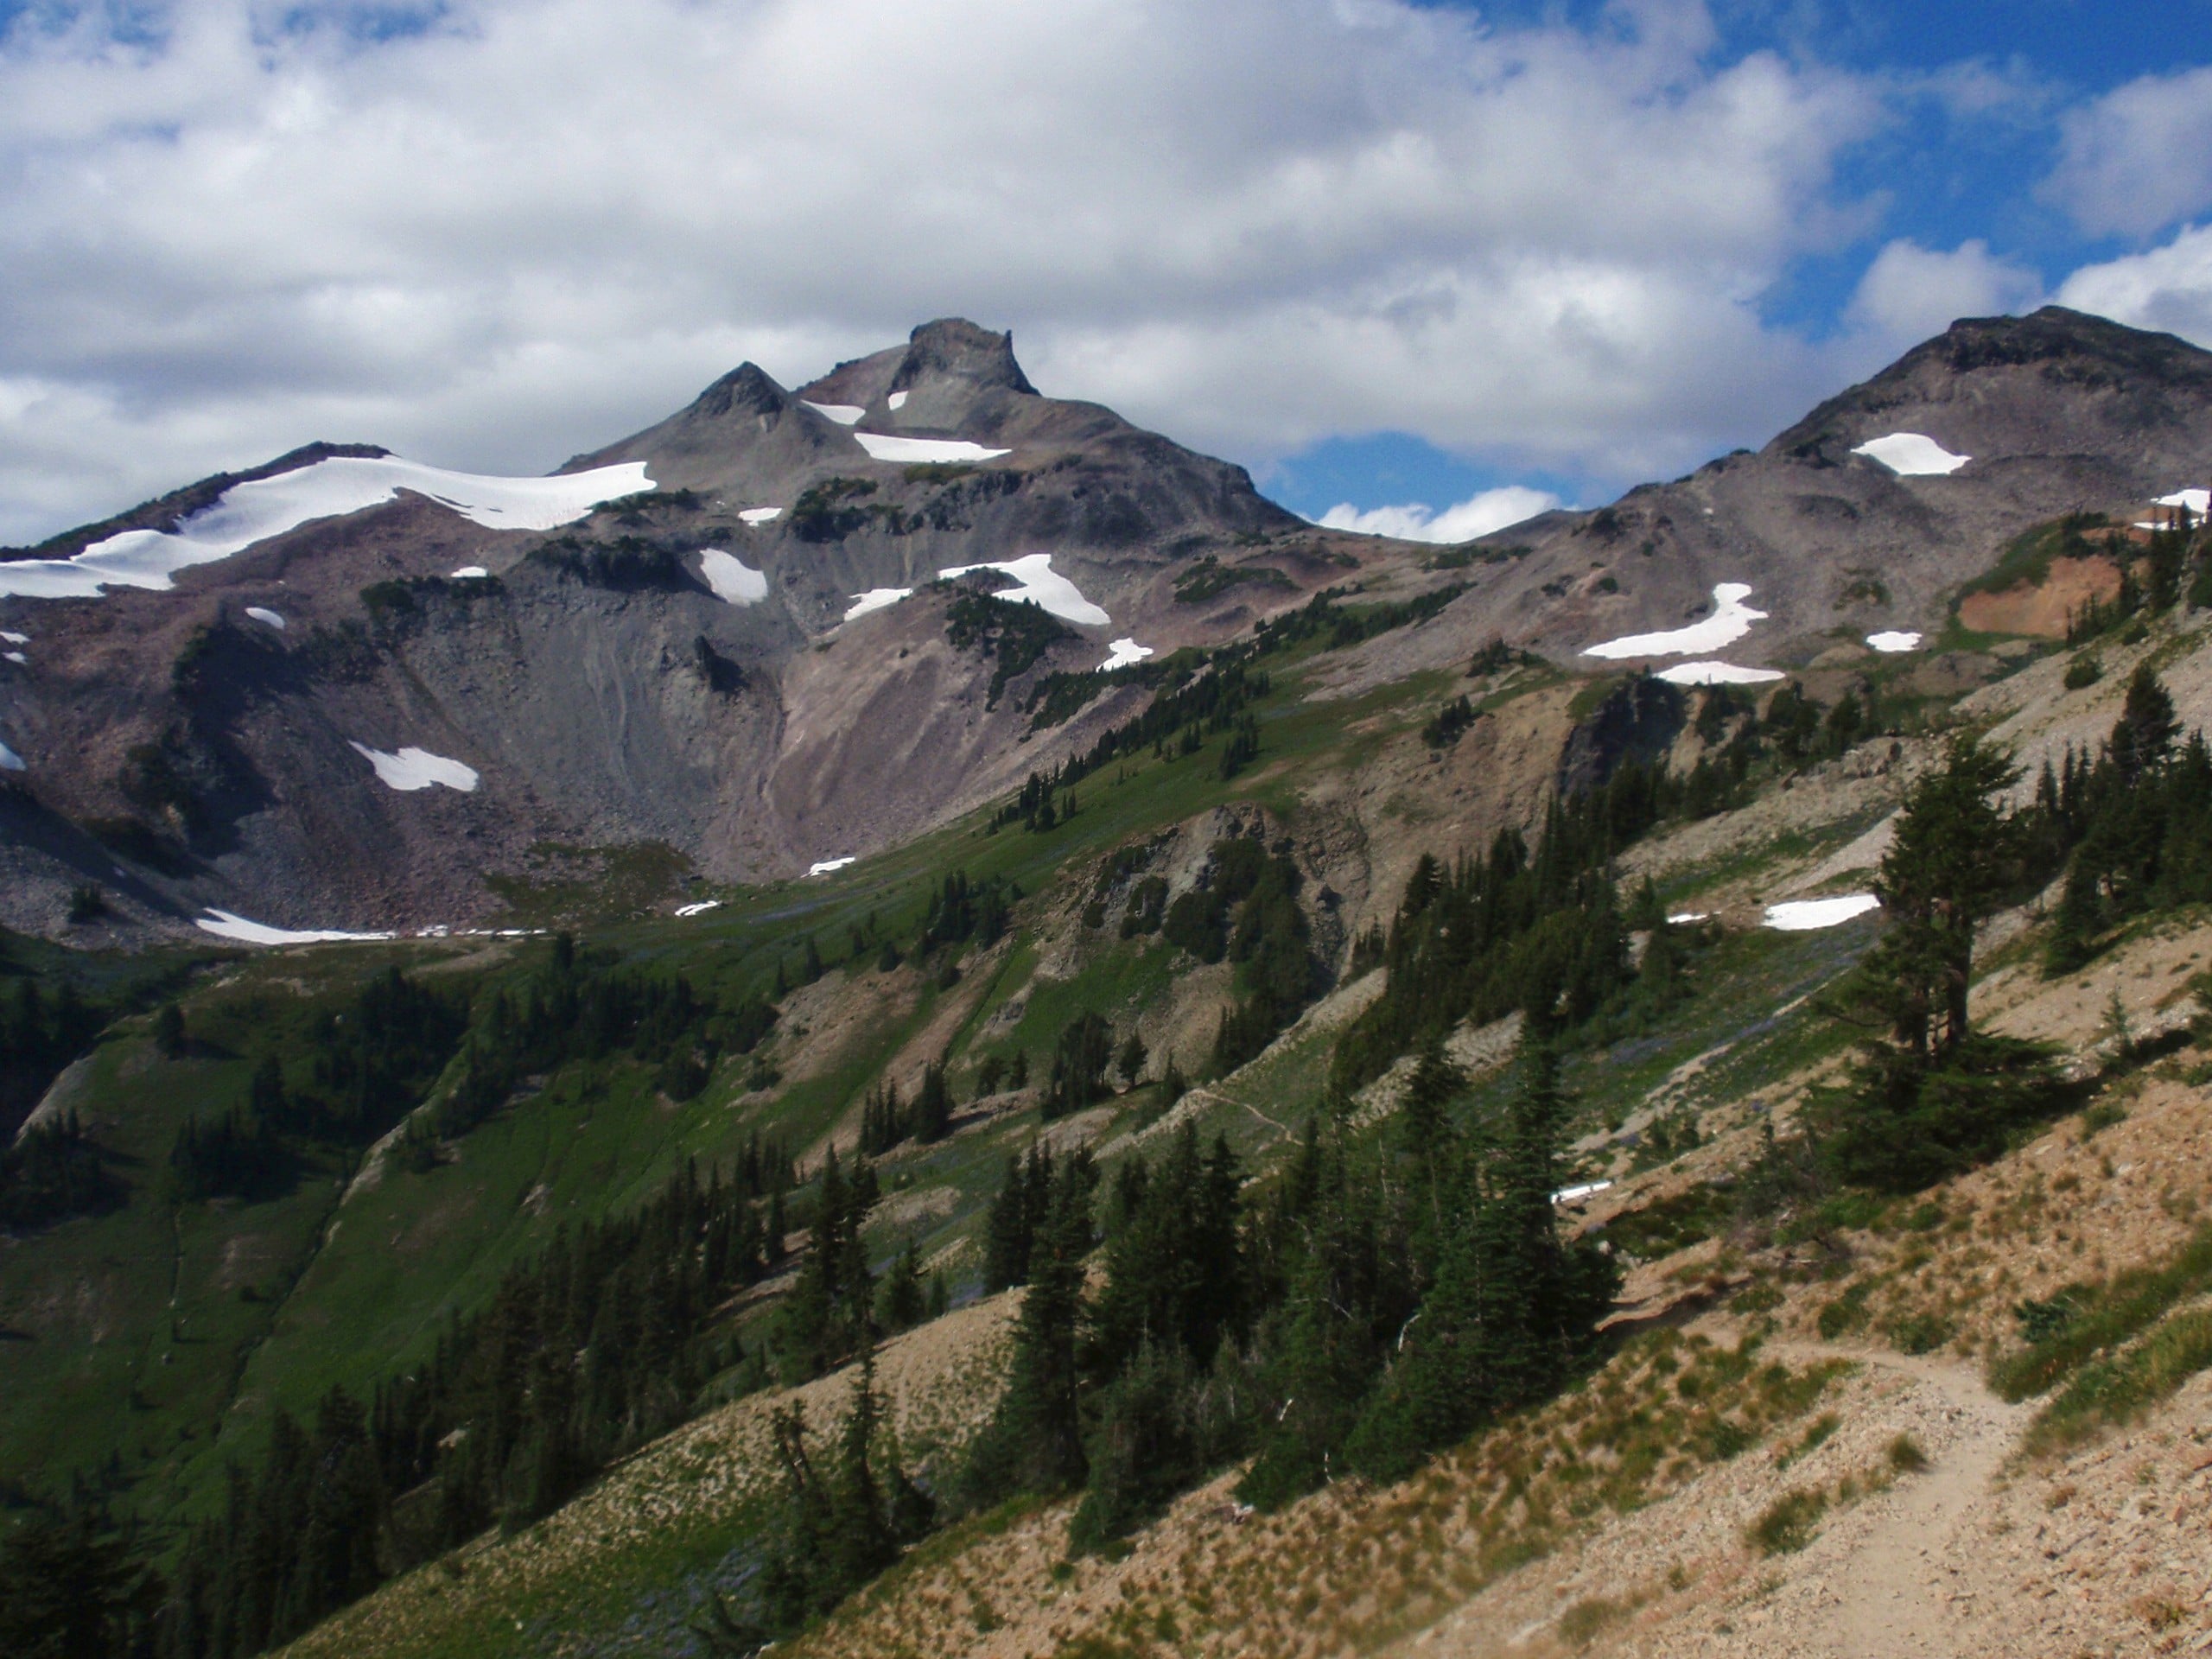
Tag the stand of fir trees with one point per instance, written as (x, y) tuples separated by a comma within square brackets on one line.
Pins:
[(602, 1342), (2130, 825), (1383, 1297), (41, 1031), (74, 1584), (1541, 933)]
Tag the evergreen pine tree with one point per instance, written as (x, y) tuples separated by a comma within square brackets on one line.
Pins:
[(1034, 1440), (1930, 1095)]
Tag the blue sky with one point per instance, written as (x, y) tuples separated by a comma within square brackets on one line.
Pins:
[(1428, 264)]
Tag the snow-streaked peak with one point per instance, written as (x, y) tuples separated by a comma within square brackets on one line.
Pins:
[(262, 507)]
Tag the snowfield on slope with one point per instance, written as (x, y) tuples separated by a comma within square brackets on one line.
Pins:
[(413, 769), (1731, 620), (1127, 653), (263, 613), (882, 447), (735, 581), (876, 599), (1807, 915), (1041, 586), (1715, 673), (828, 866), (226, 926), (1912, 454), (1895, 640), (254, 512)]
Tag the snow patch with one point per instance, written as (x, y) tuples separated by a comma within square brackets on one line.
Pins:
[(1041, 586), (882, 447), (1127, 654), (10, 761), (1731, 620), (254, 512), (898, 399), (843, 414), (735, 581), (15, 638), (876, 599), (1805, 915), (263, 613), (1895, 640), (1711, 673), (1569, 1194), (1912, 454), (16, 658), (413, 769), (828, 866), (761, 515), (1683, 918), (225, 925), (2199, 502), (699, 909), (470, 573)]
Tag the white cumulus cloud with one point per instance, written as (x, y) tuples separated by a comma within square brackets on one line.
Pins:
[(2167, 288), (2138, 158), (1479, 515), (1910, 292), (528, 226)]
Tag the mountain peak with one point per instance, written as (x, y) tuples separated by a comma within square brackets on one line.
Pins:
[(746, 389), (2049, 335), (957, 348)]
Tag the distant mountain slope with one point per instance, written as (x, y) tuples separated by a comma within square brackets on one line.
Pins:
[(747, 664), (675, 668), (2057, 412)]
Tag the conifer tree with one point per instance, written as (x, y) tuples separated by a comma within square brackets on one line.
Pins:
[(1079, 1063), (1930, 1095), (931, 1118), (1034, 1440)]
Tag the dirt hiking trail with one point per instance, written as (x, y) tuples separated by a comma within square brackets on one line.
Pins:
[(1909, 1582)]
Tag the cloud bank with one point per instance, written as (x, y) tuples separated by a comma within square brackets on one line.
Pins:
[(514, 229), (1477, 516)]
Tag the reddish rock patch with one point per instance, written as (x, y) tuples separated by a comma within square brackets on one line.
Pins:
[(2042, 609)]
